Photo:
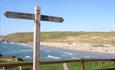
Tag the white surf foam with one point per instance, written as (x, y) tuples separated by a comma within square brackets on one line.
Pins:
[(24, 44), (50, 56), (69, 53), (27, 57)]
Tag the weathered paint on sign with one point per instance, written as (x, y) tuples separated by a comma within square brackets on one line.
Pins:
[(29, 16)]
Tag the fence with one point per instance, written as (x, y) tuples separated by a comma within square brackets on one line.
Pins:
[(82, 61)]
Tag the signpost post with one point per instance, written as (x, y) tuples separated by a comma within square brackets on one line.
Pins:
[(36, 17), (36, 48)]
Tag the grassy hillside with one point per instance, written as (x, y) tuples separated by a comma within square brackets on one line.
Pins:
[(19, 37), (83, 37)]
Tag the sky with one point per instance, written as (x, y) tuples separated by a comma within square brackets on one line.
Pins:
[(79, 15)]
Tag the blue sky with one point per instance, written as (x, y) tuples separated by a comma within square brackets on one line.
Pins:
[(79, 15)]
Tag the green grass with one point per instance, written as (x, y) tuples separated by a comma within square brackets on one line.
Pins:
[(71, 66)]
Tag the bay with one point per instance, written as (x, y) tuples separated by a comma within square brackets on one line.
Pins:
[(24, 51)]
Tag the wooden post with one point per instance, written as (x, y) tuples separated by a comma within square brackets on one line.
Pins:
[(82, 65), (4, 68), (20, 67), (36, 47), (65, 67)]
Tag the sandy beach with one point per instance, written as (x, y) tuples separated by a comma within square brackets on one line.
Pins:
[(83, 46)]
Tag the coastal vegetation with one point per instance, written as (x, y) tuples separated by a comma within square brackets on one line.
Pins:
[(9, 59), (62, 37)]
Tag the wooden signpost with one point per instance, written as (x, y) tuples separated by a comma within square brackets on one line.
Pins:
[(36, 17)]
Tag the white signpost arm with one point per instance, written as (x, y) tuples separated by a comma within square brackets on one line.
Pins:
[(36, 47)]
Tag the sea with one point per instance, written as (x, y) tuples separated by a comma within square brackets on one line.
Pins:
[(48, 53)]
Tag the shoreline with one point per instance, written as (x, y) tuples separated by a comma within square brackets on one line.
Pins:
[(86, 47)]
